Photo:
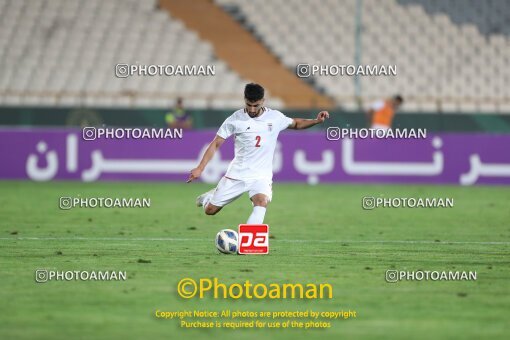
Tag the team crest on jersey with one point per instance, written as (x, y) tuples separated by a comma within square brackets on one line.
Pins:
[(270, 126)]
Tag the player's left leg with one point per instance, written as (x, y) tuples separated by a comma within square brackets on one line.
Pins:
[(260, 202), (261, 193)]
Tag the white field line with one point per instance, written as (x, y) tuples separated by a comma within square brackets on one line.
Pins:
[(170, 239)]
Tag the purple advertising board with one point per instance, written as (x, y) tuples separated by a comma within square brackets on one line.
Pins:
[(301, 156)]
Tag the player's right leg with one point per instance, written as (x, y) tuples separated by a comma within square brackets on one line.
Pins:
[(211, 209), (227, 191), (203, 199)]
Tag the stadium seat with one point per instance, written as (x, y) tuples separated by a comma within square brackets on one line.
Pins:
[(52, 51), (64, 53), (472, 38)]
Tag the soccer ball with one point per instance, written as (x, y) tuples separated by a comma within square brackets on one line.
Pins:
[(226, 241)]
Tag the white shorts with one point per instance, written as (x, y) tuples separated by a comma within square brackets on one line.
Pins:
[(380, 127), (229, 190)]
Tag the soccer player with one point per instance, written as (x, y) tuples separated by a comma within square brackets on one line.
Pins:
[(255, 129)]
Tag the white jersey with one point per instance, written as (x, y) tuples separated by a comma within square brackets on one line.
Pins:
[(255, 142)]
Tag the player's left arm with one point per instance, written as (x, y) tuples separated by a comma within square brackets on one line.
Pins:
[(300, 123)]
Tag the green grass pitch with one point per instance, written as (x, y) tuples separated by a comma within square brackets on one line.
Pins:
[(319, 234)]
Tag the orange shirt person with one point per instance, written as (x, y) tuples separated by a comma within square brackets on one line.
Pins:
[(381, 113)]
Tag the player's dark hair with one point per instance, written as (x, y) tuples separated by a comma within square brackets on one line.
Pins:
[(398, 98), (253, 92)]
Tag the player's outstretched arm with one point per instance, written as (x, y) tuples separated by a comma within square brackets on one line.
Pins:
[(209, 153), (300, 123)]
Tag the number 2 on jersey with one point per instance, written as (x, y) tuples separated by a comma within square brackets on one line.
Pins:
[(257, 145)]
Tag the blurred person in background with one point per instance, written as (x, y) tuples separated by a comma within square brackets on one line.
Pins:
[(381, 113), (179, 118)]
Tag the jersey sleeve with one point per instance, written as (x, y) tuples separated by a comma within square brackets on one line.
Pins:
[(227, 129), (376, 106), (284, 121)]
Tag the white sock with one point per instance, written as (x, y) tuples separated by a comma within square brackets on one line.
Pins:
[(257, 216), (206, 201)]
